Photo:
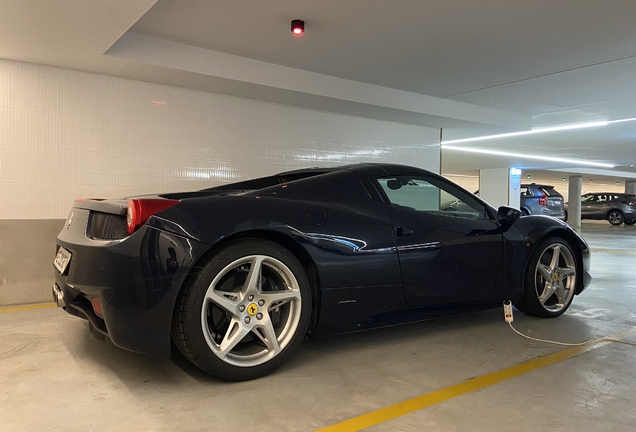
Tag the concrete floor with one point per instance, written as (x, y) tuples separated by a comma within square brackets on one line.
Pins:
[(55, 376)]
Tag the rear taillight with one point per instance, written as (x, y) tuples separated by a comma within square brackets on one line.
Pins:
[(544, 199), (139, 210)]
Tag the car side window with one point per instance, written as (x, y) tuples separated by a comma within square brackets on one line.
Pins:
[(587, 198), (430, 195), (526, 191)]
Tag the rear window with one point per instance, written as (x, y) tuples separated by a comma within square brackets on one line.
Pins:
[(550, 192)]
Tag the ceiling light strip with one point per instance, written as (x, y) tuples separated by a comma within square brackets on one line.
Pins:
[(530, 132), (540, 131), (526, 156)]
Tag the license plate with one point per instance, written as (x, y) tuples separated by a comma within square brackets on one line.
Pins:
[(61, 260)]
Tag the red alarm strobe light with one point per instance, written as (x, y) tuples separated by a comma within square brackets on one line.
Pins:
[(298, 27)]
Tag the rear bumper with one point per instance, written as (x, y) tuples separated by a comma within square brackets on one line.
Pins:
[(136, 280)]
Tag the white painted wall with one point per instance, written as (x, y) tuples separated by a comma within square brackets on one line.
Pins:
[(495, 187), (66, 134)]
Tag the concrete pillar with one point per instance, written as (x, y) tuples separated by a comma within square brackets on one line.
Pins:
[(500, 186), (574, 201), (630, 187)]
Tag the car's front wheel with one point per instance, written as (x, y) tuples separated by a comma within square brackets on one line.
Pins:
[(550, 280), (615, 217), (244, 312)]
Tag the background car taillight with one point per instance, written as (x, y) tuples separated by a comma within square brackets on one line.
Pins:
[(544, 199), (139, 210)]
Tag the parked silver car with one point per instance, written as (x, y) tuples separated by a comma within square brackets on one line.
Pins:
[(616, 208), (541, 200)]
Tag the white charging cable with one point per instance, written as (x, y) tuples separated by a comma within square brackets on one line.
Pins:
[(509, 319)]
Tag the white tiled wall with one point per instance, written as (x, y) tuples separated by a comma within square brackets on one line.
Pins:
[(66, 134)]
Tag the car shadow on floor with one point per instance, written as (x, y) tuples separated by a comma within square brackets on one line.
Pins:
[(456, 336)]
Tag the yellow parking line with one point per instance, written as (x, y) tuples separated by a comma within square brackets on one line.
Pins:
[(417, 403), (27, 307)]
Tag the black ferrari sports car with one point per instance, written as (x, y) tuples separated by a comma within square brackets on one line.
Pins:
[(236, 276)]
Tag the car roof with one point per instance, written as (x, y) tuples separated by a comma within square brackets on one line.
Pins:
[(360, 170), (359, 167), (537, 185)]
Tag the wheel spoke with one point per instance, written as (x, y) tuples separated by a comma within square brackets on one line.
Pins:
[(560, 293), (280, 297), (548, 291), (253, 281), (556, 253), (235, 333), (564, 272), (545, 271), (226, 300), (267, 334)]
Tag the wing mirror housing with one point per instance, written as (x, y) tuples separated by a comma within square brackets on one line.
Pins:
[(507, 215)]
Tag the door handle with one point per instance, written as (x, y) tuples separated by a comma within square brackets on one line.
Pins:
[(401, 232)]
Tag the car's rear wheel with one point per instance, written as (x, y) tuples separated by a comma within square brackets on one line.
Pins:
[(244, 312), (630, 222), (615, 217), (550, 280)]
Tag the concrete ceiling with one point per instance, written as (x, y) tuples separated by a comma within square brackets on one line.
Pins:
[(472, 68)]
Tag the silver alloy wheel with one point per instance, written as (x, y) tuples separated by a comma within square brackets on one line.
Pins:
[(615, 218), (258, 300), (555, 277)]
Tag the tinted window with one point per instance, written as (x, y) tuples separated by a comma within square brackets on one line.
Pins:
[(550, 191), (526, 191), (430, 195), (587, 198)]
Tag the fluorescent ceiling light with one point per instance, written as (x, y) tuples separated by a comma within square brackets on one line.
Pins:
[(540, 131), (446, 144), (529, 132), (526, 156)]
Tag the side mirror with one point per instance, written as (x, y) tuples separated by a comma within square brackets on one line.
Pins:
[(507, 215)]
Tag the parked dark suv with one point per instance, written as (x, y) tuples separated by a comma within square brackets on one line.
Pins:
[(615, 208), (541, 200)]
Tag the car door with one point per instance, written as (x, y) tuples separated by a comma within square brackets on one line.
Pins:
[(587, 206), (600, 206), (449, 247)]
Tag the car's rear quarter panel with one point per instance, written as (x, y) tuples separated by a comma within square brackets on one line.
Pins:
[(137, 281), (347, 235)]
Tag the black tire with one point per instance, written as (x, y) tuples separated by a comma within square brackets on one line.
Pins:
[(193, 316), (534, 281), (615, 217), (630, 222)]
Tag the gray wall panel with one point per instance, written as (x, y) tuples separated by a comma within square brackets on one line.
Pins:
[(27, 249)]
